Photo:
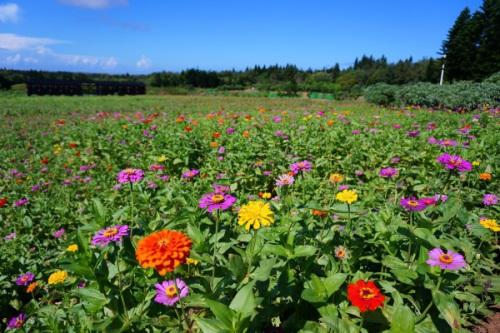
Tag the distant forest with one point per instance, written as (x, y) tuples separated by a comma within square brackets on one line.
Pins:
[(472, 49)]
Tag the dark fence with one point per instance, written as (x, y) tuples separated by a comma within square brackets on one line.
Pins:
[(78, 88)]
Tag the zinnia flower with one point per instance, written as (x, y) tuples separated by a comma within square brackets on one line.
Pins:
[(17, 321), (72, 248), (25, 279), (454, 162), (130, 175), (57, 277), (163, 250), (490, 199), (486, 176), (111, 234), (190, 174), (255, 214), (59, 233), (3, 202), (216, 201), (449, 260), (341, 252), (170, 292), (412, 204), (31, 287), (336, 178), (365, 295), (285, 180), (347, 196), (388, 172), (304, 166), (490, 224), (21, 202)]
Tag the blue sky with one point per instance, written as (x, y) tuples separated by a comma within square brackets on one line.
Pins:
[(141, 36)]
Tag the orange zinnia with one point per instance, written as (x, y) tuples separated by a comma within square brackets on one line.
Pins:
[(163, 250), (485, 176)]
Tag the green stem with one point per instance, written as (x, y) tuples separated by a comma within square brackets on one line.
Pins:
[(119, 276), (132, 219), (252, 247), (428, 307), (217, 218)]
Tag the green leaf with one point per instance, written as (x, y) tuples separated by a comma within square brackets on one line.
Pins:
[(222, 312), (448, 309), (403, 320), (304, 251), (333, 283), (211, 326), (244, 301), (92, 298), (264, 270)]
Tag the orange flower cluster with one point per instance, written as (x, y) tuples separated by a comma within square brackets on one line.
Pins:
[(486, 176), (163, 250)]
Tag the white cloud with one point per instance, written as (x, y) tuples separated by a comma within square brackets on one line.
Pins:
[(18, 58), (144, 62), (94, 4), (13, 42), (9, 12)]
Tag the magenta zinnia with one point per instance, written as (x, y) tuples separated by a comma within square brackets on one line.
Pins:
[(454, 162), (170, 292), (412, 204), (490, 199), (111, 234), (304, 166), (17, 321), (388, 172), (449, 260), (130, 175), (25, 279), (216, 201)]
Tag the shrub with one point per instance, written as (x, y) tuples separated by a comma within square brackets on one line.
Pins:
[(381, 93)]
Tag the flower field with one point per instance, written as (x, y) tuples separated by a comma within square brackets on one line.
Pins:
[(220, 214)]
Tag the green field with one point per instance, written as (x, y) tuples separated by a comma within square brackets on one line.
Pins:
[(260, 215)]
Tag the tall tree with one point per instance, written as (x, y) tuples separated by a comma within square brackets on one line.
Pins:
[(488, 53)]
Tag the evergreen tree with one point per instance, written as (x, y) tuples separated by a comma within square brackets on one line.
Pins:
[(488, 53)]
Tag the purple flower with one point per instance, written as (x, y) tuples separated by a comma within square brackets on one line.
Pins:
[(452, 162), (428, 201), (490, 199), (412, 204), (221, 150), (25, 279), (59, 233), (395, 160), (130, 175), (279, 133), (17, 321), (432, 140), (156, 167), (355, 132), (230, 130), (441, 197), (285, 180), (450, 260), (152, 185), (431, 126), (388, 172), (10, 236), (413, 134), (396, 126), (111, 234), (359, 173), (221, 188), (170, 292), (21, 202), (277, 119), (216, 201), (343, 187), (117, 187), (190, 174), (447, 143), (304, 166)]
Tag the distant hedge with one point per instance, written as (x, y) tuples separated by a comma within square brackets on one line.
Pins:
[(456, 96)]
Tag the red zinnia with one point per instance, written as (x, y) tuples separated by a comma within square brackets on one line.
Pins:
[(3, 202), (365, 295)]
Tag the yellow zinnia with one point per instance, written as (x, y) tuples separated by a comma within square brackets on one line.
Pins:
[(490, 224), (192, 261), (336, 178), (72, 248), (58, 277), (162, 159), (347, 196), (255, 214)]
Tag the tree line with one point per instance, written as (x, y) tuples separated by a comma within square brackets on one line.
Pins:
[(472, 49)]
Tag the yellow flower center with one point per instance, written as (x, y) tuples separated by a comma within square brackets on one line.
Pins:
[(217, 198), (110, 232), (162, 243), (446, 259), (413, 203), (367, 293), (129, 171), (171, 291)]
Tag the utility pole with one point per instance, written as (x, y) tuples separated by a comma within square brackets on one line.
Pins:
[(442, 71)]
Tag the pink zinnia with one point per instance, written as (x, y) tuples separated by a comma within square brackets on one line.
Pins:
[(21, 202), (454, 162), (450, 260), (490, 199), (388, 172), (304, 166), (59, 233), (190, 173), (130, 175), (412, 204), (111, 234), (170, 292), (216, 201), (285, 180), (25, 279), (17, 321), (429, 201)]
